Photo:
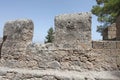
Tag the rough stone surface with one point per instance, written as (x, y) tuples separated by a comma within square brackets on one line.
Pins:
[(25, 74), (97, 44), (73, 31), (64, 59), (118, 28), (17, 35), (118, 45), (106, 45), (76, 60), (110, 32)]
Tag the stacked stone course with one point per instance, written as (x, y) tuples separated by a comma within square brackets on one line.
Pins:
[(106, 45), (110, 32)]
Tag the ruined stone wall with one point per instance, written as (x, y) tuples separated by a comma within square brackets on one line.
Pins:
[(37, 58), (110, 32), (106, 44), (17, 35), (72, 60), (118, 28), (73, 31), (62, 55)]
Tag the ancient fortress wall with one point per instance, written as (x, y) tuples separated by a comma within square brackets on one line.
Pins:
[(106, 45), (109, 33), (118, 27), (71, 55), (16, 37), (73, 31)]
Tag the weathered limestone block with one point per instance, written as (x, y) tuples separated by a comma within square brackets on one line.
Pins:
[(73, 31), (118, 61), (109, 33), (109, 45), (97, 45), (19, 30), (118, 28), (104, 45), (118, 44), (17, 35)]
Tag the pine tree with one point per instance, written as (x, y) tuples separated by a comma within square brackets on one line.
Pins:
[(107, 11), (50, 36)]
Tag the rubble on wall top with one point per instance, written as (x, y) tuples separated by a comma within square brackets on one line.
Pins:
[(17, 20), (74, 15)]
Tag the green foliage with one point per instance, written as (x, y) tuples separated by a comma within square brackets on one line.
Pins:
[(50, 36), (107, 11)]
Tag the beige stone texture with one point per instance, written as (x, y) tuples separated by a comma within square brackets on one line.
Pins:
[(73, 31)]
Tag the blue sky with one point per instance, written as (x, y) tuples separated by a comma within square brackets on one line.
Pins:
[(42, 12)]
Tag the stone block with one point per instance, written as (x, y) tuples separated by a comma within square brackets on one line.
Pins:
[(54, 64), (118, 61), (19, 30), (109, 33), (118, 44), (109, 45), (97, 45), (73, 31), (118, 28), (104, 44), (17, 36)]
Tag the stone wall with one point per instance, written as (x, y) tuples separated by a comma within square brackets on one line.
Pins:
[(27, 74), (71, 60), (110, 32), (72, 52), (17, 35), (106, 44), (118, 28), (73, 31), (37, 58)]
